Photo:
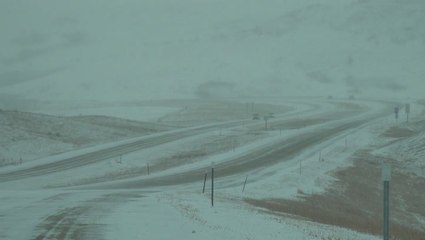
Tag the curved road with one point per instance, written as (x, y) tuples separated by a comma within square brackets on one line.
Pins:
[(66, 223)]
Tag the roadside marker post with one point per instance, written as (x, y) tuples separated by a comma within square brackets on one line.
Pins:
[(205, 181), (396, 110), (346, 142), (147, 166), (300, 166), (244, 184), (386, 177), (212, 184), (407, 109)]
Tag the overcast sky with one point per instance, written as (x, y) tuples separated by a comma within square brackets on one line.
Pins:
[(140, 49)]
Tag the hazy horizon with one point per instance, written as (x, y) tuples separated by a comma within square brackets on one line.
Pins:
[(136, 50)]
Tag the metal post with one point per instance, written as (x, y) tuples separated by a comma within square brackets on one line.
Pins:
[(212, 186), (300, 166), (205, 181), (396, 110), (246, 179), (346, 142), (386, 210), (386, 177), (407, 109)]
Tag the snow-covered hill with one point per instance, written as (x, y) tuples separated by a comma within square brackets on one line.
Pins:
[(127, 50), (28, 136)]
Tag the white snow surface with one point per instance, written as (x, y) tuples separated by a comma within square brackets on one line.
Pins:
[(183, 212), (135, 113), (188, 215)]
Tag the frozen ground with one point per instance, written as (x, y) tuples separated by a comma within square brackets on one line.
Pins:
[(135, 113), (300, 155), (27, 136)]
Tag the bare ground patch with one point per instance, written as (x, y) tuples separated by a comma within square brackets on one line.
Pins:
[(398, 132), (355, 201)]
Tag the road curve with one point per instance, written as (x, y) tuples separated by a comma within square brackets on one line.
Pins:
[(116, 151), (104, 154), (266, 156)]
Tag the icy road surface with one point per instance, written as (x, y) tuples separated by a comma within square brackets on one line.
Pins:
[(72, 197)]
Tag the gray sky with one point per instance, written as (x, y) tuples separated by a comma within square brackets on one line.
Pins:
[(128, 49)]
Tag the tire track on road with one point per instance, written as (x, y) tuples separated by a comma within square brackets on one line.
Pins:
[(79, 222)]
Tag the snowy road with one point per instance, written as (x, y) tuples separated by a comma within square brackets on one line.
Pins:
[(261, 158), (79, 212), (103, 154), (148, 142), (318, 129)]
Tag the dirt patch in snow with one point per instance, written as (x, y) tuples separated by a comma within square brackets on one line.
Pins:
[(355, 201), (209, 111), (398, 132)]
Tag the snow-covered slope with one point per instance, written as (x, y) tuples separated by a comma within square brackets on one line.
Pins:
[(28, 136), (328, 189), (121, 50)]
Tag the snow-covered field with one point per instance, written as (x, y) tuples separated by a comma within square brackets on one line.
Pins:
[(156, 192), (28, 136), (113, 113)]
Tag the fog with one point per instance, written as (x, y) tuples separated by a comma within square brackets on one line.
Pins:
[(133, 50)]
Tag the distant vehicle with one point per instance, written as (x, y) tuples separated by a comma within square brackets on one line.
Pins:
[(271, 115), (330, 97), (256, 116), (352, 97)]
